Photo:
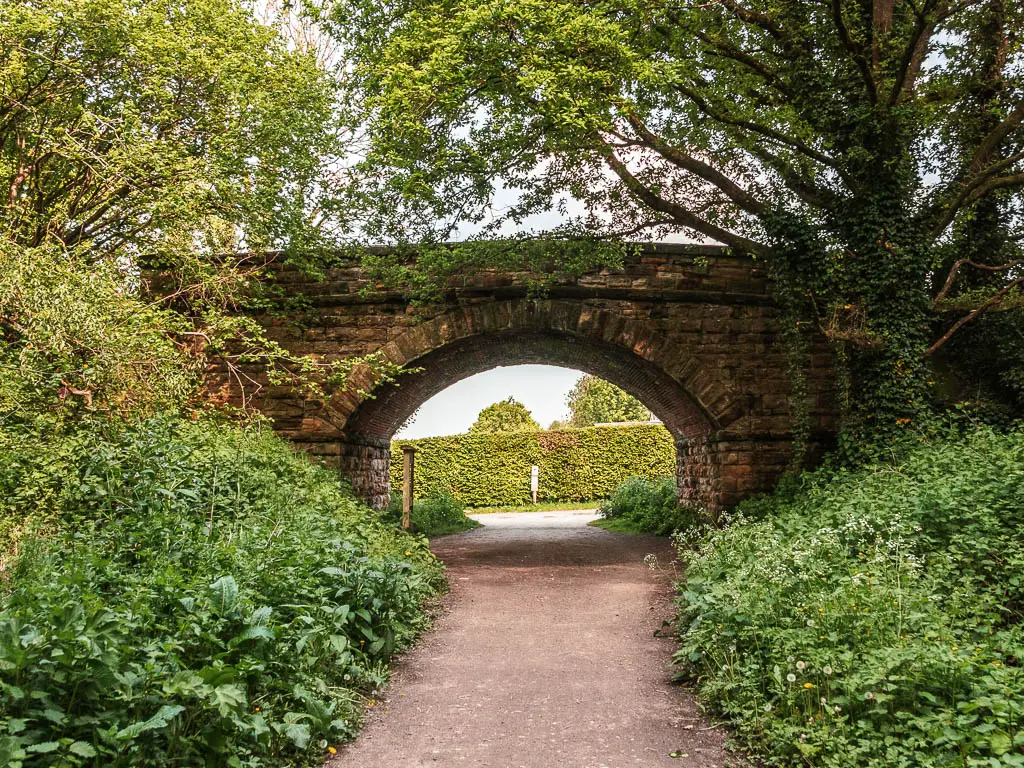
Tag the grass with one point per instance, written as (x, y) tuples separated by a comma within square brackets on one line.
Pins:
[(544, 506), (617, 525)]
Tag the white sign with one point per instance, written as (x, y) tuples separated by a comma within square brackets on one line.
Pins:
[(534, 479)]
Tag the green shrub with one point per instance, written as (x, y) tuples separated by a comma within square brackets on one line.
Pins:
[(437, 515), (484, 470), (641, 504), (871, 618), (206, 597)]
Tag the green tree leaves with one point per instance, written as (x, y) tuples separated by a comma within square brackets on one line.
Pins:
[(506, 416), (595, 401), (847, 145), (146, 150), (161, 126)]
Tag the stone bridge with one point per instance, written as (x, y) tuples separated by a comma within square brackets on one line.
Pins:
[(691, 331)]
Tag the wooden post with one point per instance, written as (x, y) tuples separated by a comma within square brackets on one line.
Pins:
[(408, 471), (534, 481)]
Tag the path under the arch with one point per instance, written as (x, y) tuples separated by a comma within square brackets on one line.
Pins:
[(544, 656)]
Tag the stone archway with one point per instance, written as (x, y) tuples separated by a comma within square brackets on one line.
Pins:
[(696, 405), (691, 331)]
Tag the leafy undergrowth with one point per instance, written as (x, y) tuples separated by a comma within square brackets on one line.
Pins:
[(871, 618), (640, 505), (204, 596), (437, 515)]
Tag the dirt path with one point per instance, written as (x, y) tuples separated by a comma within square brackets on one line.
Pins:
[(545, 657)]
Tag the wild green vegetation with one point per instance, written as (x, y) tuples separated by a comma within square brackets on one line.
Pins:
[(178, 589), (645, 505), (204, 596), (176, 136), (870, 617), (437, 514), (487, 470), (175, 589)]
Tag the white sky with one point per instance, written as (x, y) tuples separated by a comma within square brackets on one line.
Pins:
[(541, 388)]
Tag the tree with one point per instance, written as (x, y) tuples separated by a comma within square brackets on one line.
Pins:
[(173, 135), (871, 153), (596, 401), (505, 416)]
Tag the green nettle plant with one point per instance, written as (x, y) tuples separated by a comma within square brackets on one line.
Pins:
[(870, 618), (205, 596), (651, 506), (869, 152), (437, 514)]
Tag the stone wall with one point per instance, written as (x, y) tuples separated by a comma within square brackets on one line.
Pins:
[(691, 331)]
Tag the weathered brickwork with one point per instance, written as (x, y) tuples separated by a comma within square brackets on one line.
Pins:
[(691, 331)]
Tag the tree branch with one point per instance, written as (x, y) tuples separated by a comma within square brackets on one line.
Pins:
[(681, 215), (751, 62), (855, 53), (762, 20), (703, 105), (995, 299), (806, 190), (991, 142), (968, 262), (913, 56), (713, 176), (971, 191)]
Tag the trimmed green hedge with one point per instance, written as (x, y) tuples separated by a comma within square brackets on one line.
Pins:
[(575, 464)]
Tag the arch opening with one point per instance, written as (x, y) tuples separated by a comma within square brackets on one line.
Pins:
[(371, 426), (380, 417)]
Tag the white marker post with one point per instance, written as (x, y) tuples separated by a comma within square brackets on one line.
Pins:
[(534, 481)]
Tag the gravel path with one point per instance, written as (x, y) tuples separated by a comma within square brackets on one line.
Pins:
[(545, 656)]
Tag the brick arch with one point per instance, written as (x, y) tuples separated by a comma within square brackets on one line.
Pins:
[(629, 352), (692, 330), (692, 400)]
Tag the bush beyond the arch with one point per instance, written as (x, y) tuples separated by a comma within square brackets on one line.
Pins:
[(587, 464)]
